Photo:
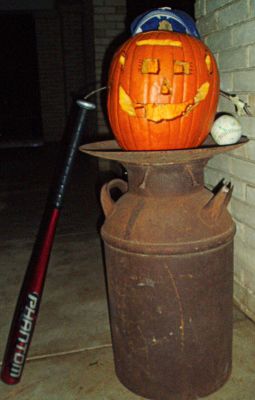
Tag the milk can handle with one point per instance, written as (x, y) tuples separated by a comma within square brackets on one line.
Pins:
[(106, 199)]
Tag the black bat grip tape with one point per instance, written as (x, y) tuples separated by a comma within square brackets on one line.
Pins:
[(78, 128)]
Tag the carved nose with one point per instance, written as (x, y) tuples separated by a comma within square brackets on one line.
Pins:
[(165, 87)]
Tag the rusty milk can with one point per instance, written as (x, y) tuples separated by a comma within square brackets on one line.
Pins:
[(169, 260)]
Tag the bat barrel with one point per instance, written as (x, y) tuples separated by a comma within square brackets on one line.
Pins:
[(28, 303)]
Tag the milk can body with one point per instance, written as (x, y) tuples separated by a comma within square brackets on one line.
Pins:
[(169, 259)]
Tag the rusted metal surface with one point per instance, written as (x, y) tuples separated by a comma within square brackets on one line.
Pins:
[(110, 150), (171, 321), (169, 259), (166, 210)]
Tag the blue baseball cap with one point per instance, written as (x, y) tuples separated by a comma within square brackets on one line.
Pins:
[(165, 18)]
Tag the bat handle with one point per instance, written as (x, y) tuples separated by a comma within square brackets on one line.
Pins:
[(59, 188), (28, 302)]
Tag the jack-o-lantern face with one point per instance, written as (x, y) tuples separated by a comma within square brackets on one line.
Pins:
[(163, 92)]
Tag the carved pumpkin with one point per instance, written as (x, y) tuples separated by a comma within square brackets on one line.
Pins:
[(163, 92)]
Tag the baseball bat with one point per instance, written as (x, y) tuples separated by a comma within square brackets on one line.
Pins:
[(30, 295)]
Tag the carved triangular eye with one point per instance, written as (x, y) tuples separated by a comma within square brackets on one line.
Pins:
[(150, 66), (122, 60), (208, 62)]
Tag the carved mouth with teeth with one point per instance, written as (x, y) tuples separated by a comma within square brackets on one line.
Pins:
[(159, 112)]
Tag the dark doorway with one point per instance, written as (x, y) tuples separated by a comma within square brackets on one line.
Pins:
[(20, 115)]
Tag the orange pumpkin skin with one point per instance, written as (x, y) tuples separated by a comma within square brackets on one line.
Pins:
[(163, 92)]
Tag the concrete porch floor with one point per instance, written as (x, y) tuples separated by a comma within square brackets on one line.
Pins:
[(71, 355)]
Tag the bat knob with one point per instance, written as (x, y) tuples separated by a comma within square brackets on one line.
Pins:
[(86, 104)]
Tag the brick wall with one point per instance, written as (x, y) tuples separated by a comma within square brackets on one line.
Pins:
[(51, 74), (228, 28), (75, 44), (109, 24), (71, 17), (65, 61)]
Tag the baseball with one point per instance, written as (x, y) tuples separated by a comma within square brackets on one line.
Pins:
[(226, 130)]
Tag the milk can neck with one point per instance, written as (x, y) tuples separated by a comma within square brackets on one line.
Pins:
[(164, 180)]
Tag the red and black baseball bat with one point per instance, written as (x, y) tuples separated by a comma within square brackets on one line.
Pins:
[(29, 299)]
